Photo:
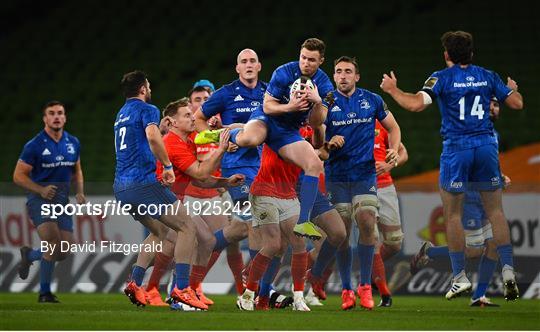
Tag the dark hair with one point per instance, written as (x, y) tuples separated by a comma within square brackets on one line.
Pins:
[(459, 46), (172, 108), (197, 89), (348, 59), (132, 82), (52, 103), (314, 44)]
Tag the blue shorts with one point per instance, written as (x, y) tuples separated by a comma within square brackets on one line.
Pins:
[(321, 205), (343, 192), (473, 217), (472, 169), (150, 195), (241, 193), (278, 134), (65, 222)]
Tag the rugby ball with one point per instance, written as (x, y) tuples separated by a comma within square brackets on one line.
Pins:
[(300, 84)]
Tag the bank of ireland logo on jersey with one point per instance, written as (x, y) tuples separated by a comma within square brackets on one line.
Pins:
[(495, 181), (470, 78), (351, 115), (456, 185)]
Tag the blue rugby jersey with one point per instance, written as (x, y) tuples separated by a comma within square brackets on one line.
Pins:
[(463, 96), (135, 162), (52, 162), (280, 85), (235, 102), (354, 118)]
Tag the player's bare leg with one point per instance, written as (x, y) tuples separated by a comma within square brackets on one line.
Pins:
[(453, 208), (492, 202), (251, 135)]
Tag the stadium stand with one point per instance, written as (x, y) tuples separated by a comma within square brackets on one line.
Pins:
[(77, 53)]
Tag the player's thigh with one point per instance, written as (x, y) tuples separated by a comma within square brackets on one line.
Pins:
[(155, 227), (302, 154), (332, 224), (49, 231), (492, 202), (455, 170), (255, 131), (452, 205), (389, 224), (216, 221)]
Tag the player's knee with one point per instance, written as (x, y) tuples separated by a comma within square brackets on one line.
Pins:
[(314, 166), (273, 247), (473, 252), (393, 240)]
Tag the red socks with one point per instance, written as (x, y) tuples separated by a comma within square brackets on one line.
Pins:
[(299, 264)]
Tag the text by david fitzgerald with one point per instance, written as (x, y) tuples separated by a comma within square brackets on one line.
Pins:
[(102, 246)]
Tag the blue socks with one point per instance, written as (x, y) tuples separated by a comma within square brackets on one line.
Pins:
[(505, 255), (34, 255), (434, 252), (458, 261), (233, 134), (221, 242), (46, 270), (268, 276), (137, 274), (485, 272), (308, 193), (182, 275), (326, 254), (365, 253), (344, 262)]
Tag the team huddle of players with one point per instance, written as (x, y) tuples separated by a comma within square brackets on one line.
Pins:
[(310, 159)]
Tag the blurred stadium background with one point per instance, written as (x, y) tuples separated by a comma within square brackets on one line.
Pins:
[(77, 52)]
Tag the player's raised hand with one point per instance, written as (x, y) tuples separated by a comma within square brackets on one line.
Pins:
[(236, 180), (167, 178), (511, 84), (165, 125), (48, 192), (336, 142), (214, 122), (391, 157), (389, 83), (224, 139)]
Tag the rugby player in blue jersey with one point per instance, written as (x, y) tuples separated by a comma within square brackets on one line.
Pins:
[(478, 239), (469, 160), (234, 103), (47, 164), (350, 169), (278, 120), (138, 144)]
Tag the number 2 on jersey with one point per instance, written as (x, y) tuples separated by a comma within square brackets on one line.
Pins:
[(476, 110), (122, 134)]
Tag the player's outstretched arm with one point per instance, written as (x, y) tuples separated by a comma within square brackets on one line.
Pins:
[(201, 171), (515, 100), (410, 102), (21, 177), (403, 155)]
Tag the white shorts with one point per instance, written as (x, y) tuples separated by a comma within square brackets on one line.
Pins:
[(271, 210), (477, 238), (388, 206)]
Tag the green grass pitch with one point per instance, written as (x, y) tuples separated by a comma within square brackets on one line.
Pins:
[(115, 312)]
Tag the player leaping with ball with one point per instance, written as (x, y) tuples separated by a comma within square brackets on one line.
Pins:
[(289, 101)]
